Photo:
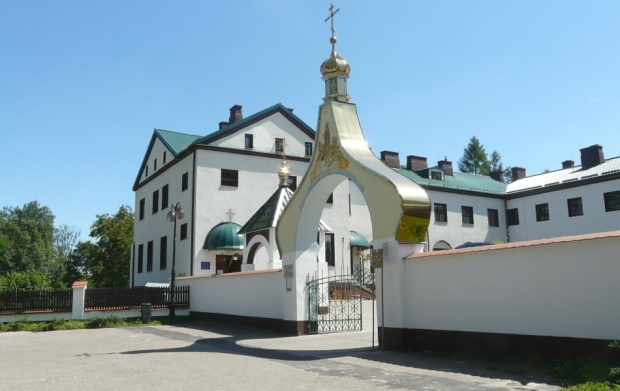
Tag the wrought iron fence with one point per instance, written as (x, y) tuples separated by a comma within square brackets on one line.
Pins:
[(335, 304), (132, 298), (22, 301), (364, 274)]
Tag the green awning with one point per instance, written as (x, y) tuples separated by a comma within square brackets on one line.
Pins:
[(224, 237), (358, 240)]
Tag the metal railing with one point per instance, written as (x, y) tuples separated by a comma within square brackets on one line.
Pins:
[(131, 298), (22, 301)]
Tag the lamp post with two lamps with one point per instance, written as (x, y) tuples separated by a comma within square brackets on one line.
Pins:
[(175, 213)]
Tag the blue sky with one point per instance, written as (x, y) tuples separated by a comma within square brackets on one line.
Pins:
[(84, 83)]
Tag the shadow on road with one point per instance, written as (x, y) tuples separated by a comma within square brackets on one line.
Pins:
[(229, 339)]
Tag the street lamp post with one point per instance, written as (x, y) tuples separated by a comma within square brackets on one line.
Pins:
[(175, 213)]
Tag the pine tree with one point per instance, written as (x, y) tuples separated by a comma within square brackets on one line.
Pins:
[(474, 158)]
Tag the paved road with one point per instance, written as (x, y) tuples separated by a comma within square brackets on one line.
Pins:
[(203, 356)]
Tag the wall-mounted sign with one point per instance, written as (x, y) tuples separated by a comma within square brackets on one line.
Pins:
[(377, 259), (288, 271)]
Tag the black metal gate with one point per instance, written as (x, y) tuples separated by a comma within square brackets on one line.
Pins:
[(335, 304)]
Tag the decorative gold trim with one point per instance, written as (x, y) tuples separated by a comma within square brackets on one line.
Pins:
[(329, 154)]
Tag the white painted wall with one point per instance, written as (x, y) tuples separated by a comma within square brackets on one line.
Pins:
[(257, 294), (454, 232), (258, 180), (155, 226), (594, 218), (563, 289), (265, 133)]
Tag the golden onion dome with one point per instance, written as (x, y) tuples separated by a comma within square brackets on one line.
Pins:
[(283, 174), (335, 63)]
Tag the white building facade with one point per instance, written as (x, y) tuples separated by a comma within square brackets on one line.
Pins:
[(225, 177), (220, 178)]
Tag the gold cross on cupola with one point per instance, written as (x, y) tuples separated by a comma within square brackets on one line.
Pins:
[(331, 16)]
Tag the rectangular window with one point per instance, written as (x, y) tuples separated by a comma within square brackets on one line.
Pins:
[(542, 212), (513, 216), (149, 256), (142, 206), (468, 214), (163, 252), (155, 165), (164, 197), (249, 141), (164, 157), (146, 171), (184, 181), (493, 215), (436, 175), (183, 231), (330, 199), (279, 145), (441, 213), (612, 201), (140, 257), (155, 201), (205, 265), (229, 178), (308, 149), (349, 204), (292, 182), (330, 252), (575, 207)]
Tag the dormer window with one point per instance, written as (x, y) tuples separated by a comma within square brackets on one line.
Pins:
[(437, 175), (249, 141), (279, 145)]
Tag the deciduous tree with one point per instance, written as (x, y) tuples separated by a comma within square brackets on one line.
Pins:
[(114, 234), (26, 238)]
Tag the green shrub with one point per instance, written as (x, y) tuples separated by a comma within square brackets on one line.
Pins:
[(594, 387)]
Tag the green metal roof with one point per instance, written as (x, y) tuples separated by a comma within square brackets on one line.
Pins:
[(358, 240), (176, 141), (459, 181), (224, 237), (266, 216)]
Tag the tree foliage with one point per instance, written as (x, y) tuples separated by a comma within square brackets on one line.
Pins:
[(474, 159), (36, 255), (109, 260), (26, 238), (28, 280)]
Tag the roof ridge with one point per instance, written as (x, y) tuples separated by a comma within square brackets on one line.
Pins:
[(177, 132)]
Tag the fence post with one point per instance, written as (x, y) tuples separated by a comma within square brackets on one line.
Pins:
[(79, 295)]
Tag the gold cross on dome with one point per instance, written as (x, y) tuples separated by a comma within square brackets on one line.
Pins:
[(331, 16)]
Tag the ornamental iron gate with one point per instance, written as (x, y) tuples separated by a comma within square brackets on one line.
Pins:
[(335, 304)]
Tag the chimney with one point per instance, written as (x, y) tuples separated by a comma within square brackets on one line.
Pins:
[(446, 166), (498, 176), (591, 156), (391, 159), (235, 114), (518, 173), (223, 124), (568, 164), (415, 163)]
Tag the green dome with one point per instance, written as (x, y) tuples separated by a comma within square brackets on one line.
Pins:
[(358, 240), (224, 237)]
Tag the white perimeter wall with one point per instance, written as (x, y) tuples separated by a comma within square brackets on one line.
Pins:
[(564, 289), (256, 294)]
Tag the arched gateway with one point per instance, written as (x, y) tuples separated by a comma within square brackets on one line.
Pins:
[(399, 208)]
